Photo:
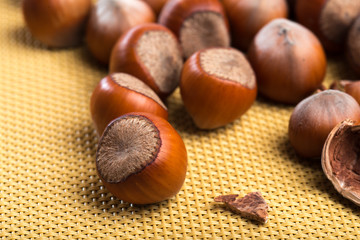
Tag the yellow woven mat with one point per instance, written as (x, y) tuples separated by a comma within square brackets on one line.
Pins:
[(48, 183)]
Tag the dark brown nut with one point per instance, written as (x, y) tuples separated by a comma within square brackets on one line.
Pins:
[(330, 20), (288, 60), (314, 118), (252, 206), (340, 159), (353, 46), (247, 17)]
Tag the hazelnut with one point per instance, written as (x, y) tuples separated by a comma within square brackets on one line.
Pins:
[(57, 23), (217, 86), (314, 117), (247, 17), (198, 24), (330, 20), (120, 93), (288, 60), (109, 20), (141, 159), (151, 53)]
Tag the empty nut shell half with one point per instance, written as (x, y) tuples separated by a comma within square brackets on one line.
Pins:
[(340, 159)]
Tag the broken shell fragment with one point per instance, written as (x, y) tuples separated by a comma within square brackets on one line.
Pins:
[(340, 159), (252, 206)]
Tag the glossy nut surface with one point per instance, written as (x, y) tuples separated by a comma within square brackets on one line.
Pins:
[(288, 60), (198, 24), (120, 93), (57, 23), (247, 17), (141, 159), (151, 53), (330, 20), (314, 118), (217, 86), (110, 19)]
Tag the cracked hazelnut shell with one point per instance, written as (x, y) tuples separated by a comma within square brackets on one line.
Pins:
[(340, 159)]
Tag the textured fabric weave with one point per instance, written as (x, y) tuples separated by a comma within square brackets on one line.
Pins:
[(48, 182)]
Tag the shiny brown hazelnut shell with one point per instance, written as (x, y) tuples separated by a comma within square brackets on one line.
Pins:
[(313, 119), (330, 20), (151, 53), (120, 93), (57, 23), (217, 86), (353, 46), (340, 161), (198, 24), (109, 19), (288, 60), (141, 159), (247, 17)]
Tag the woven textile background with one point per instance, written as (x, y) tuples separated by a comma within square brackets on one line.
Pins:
[(48, 182)]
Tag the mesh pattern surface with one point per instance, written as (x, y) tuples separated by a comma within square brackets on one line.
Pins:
[(48, 183)]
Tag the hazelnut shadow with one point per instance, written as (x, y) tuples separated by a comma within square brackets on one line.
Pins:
[(22, 36), (90, 61)]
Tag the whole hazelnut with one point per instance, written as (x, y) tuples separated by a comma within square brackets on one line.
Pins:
[(314, 118), (109, 19), (141, 159), (57, 23), (288, 60), (198, 24), (247, 17), (330, 20), (217, 86), (151, 53), (121, 93)]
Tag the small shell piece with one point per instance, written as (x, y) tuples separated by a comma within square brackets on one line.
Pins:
[(251, 206), (340, 159)]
